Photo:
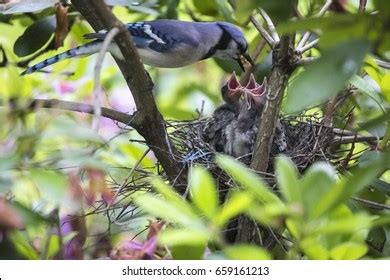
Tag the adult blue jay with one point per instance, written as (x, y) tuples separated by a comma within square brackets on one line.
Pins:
[(168, 44)]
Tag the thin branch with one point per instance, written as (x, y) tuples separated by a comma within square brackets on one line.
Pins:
[(306, 36), (324, 8), (305, 60), (303, 40), (362, 6), (372, 203), (130, 120), (119, 190), (307, 47), (263, 32), (343, 132), (97, 90), (382, 63), (271, 26), (353, 139)]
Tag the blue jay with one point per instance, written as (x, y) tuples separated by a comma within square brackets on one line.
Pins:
[(168, 43)]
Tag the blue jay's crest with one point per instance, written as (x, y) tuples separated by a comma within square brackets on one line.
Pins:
[(167, 43), (236, 34)]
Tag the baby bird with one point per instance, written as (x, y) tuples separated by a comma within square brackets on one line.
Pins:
[(241, 133), (233, 127)]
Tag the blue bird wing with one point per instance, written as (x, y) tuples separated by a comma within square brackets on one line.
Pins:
[(138, 41), (160, 36)]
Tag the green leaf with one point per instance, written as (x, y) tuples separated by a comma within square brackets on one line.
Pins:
[(313, 249), (381, 186), (246, 252), (348, 251), (317, 181), (376, 122), (61, 126), (385, 86), (278, 10), (247, 179), (52, 185), (335, 29), (203, 191), (368, 90), (29, 216), (224, 9), (35, 37), (53, 246), (236, 204), (344, 225), (377, 239), (172, 197), (323, 78), (183, 236), (188, 252), (383, 7), (287, 177), (346, 187), (206, 7), (23, 246)]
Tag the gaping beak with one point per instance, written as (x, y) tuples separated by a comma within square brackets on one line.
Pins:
[(255, 92), (232, 90), (244, 58)]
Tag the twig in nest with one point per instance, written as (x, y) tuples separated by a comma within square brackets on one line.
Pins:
[(137, 164)]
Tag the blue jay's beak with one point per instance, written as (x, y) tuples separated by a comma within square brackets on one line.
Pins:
[(244, 59)]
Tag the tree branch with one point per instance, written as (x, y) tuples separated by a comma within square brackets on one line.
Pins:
[(283, 64), (282, 67), (129, 120), (151, 123), (270, 41)]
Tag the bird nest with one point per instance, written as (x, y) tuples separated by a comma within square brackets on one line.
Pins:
[(307, 141)]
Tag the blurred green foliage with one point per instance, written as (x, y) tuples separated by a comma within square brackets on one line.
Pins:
[(52, 164)]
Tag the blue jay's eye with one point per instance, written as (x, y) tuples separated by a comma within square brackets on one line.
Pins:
[(242, 47)]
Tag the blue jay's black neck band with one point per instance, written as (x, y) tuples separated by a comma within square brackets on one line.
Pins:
[(222, 44)]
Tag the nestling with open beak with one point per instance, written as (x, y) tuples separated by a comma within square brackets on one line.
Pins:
[(240, 134), (233, 127)]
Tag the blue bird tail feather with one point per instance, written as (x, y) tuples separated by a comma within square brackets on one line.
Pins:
[(87, 49)]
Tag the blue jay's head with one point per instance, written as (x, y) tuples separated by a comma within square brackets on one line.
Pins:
[(232, 44)]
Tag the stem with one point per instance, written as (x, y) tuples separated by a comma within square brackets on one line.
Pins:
[(270, 41), (282, 61), (386, 138)]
